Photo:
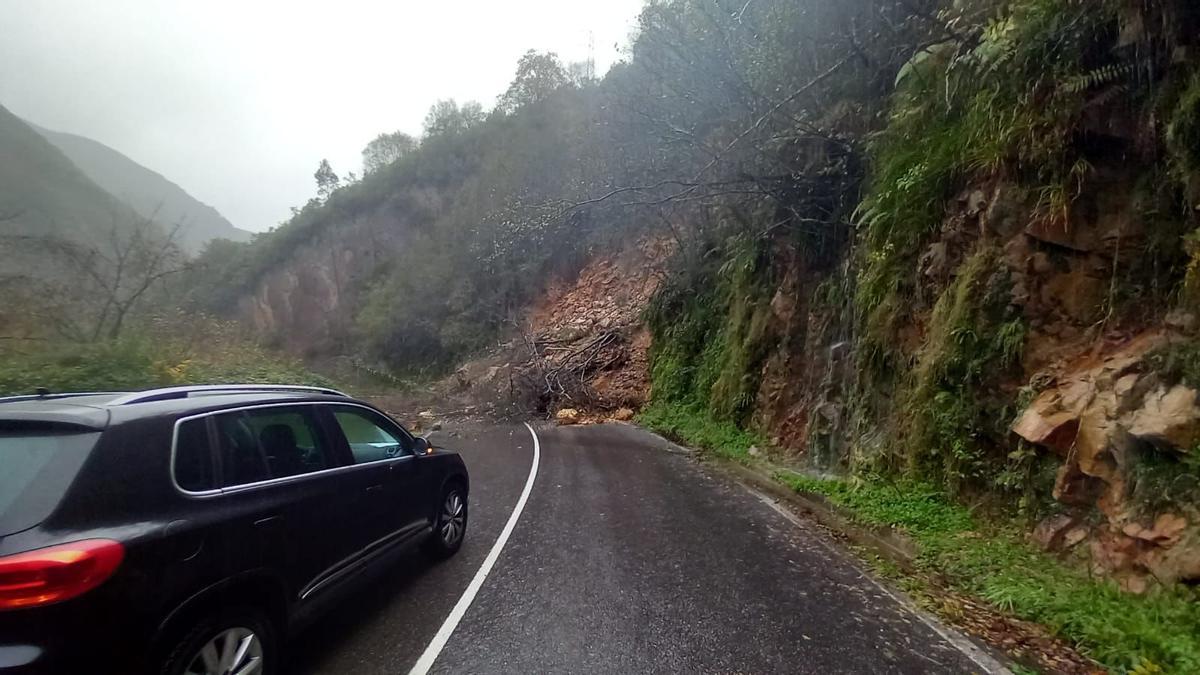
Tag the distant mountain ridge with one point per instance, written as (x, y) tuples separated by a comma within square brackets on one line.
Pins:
[(149, 193), (42, 192)]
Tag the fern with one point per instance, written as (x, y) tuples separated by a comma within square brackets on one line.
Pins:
[(1098, 77)]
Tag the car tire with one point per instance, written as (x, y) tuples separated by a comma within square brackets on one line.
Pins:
[(245, 627), (450, 523)]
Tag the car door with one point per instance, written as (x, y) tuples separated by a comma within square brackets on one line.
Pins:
[(276, 464), (404, 508)]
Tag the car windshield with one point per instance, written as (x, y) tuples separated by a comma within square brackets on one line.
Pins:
[(38, 465)]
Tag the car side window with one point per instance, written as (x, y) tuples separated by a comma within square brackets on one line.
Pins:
[(265, 443), (193, 457), (371, 437)]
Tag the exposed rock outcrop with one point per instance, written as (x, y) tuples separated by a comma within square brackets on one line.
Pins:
[(306, 305), (1103, 416)]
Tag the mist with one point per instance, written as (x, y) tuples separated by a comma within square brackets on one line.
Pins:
[(238, 102)]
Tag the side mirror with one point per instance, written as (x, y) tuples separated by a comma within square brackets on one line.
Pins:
[(422, 446)]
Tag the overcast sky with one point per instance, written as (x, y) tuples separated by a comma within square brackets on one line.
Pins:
[(238, 100)]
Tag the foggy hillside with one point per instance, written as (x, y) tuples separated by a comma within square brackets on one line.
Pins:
[(43, 192), (149, 193)]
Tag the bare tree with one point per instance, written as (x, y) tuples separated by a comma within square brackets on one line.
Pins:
[(88, 291)]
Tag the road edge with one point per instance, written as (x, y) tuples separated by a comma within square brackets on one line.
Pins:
[(431, 653), (978, 654), (890, 545)]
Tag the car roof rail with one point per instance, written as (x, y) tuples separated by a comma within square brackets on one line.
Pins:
[(51, 396), (168, 393)]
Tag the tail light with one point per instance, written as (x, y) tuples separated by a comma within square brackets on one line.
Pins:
[(57, 573)]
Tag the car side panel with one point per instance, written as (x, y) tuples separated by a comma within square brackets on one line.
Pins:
[(297, 527), (303, 530)]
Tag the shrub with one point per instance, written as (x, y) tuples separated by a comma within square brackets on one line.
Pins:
[(139, 363)]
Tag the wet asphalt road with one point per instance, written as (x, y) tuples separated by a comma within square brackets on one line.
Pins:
[(627, 558)]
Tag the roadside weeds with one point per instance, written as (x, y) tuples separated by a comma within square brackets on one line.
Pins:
[(895, 557), (983, 578)]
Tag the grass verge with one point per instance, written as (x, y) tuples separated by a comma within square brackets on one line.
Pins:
[(1157, 632), (692, 426), (137, 363)]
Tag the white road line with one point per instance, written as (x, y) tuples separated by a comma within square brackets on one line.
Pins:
[(969, 649), (460, 609)]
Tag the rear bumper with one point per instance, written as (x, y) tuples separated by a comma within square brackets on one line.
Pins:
[(61, 658), (68, 639), (23, 660)]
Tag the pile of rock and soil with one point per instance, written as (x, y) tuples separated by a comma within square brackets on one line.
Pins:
[(582, 347)]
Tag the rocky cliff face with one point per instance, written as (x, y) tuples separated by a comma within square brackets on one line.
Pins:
[(1122, 431), (300, 306), (1106, 416), (307, 304)]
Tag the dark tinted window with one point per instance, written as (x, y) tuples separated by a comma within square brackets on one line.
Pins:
[(371, 437), (36, 466), (269, 443), (193, 457)]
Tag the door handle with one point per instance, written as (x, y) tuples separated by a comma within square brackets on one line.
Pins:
[(374, 488)]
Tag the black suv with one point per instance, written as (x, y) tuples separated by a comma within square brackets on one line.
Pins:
[(191, 529)]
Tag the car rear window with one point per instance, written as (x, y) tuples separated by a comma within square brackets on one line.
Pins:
[(38, 464)]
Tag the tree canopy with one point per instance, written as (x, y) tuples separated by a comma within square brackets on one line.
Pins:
[(327, 180), (385, 149), (538, 75), (447, 117)]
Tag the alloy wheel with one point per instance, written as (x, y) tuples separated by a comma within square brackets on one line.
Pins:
[(454, 519), (235, 651)]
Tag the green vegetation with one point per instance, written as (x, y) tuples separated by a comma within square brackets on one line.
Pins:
[(1005, 108), (1177, 362), (830, 174), (708, 348), (706, 353), (214, 354), (1001, 107), (1183, 138), (974, 336), (695, 427), (1117, 629), (1166, 481), (450, 238), (1007, 97), (1191, 281), (999, 97)]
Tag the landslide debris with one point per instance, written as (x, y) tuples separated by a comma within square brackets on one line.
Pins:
[(581, 346)]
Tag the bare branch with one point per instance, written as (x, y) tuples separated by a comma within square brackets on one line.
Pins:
[(774, 109)]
